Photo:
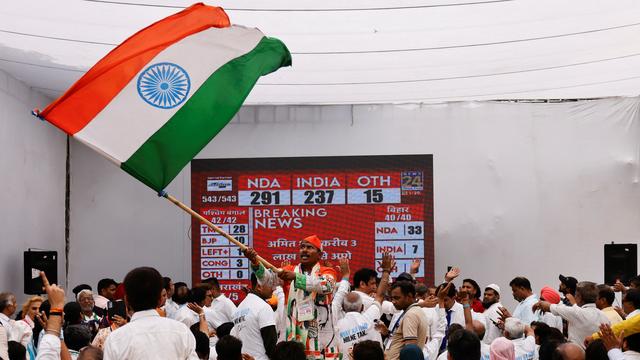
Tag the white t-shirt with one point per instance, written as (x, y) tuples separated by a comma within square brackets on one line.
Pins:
[(355, 327), (190, 317), (222, 310), (525, 348), (492, 331), (252, 315), (186, 316), (170, 307)]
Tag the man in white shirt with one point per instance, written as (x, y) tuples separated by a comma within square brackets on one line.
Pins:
[(631, 303), (365, 282), (180, 297), (170, 306), (106, 292), (358, 323), (550, 295), (521, 289), (454, 312), (222, 308), (437, 323), (254, 321), (8, 307), (491, 303), (4, 344), (148, 335), (583, 318)]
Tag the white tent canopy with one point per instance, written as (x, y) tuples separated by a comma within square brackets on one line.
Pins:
[(364, 51)]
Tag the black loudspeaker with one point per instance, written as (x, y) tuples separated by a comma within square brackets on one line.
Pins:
[(34, 263), (620, 262)]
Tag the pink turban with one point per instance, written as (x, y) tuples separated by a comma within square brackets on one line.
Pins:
[(550, 295), (502, 349)]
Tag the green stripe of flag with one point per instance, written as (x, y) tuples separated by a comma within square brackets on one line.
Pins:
[(210, 108)]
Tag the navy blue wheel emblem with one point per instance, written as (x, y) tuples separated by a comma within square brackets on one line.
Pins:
[(164, 85)]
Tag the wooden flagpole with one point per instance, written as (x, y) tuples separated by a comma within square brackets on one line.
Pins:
[(242, 246)]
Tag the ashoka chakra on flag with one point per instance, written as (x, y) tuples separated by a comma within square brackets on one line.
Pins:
[(164, 85)]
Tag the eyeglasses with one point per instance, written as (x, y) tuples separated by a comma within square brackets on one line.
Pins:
[(35, 308)]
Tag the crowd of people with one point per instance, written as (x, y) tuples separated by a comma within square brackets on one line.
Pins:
[(312, 311)]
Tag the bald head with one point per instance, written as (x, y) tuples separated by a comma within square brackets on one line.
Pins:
[(570, 351), (90, 353), (352, 303), (478, 328)]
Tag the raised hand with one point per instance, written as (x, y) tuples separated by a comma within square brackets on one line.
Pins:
[(56, 299), (619, 286), (415, 266), (430, 302), (55, 294), (543, 306), (388, 262), (443, 293), (195, 308), (42, 319), (609, 339), (345, 271), (452, 274), (387, 265), (504, 313)]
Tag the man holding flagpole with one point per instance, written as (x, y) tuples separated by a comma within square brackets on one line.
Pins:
[(308, 287)]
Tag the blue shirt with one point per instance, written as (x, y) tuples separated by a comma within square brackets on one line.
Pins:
[(524, 310)]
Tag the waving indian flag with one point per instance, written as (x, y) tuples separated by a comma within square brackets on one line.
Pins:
[(158, 98)]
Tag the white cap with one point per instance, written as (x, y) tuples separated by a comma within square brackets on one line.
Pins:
[(495, 288)]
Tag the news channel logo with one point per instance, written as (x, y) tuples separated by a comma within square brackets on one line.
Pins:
[(219, 184)]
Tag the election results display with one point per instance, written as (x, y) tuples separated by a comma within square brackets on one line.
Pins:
[(359, 207)]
